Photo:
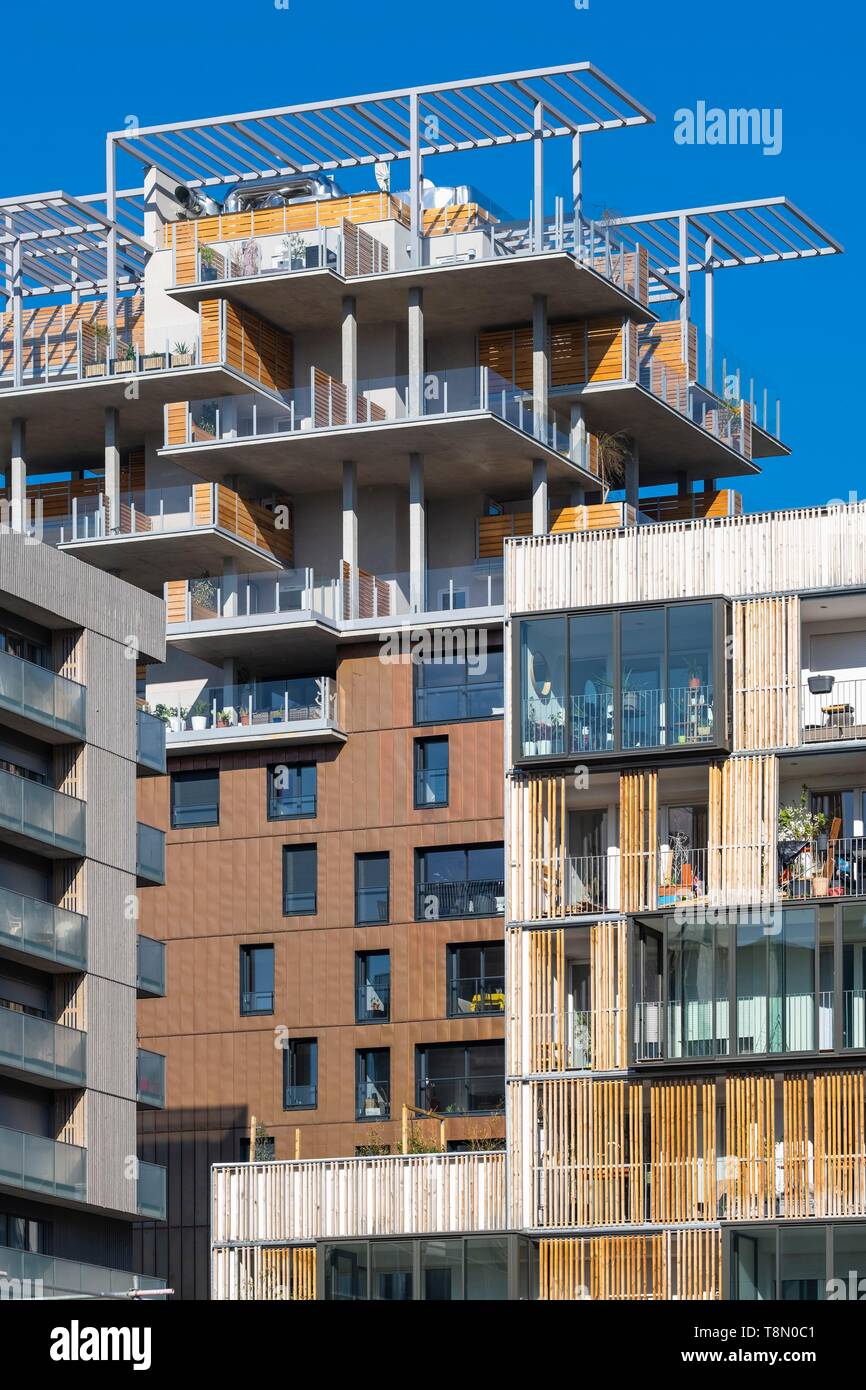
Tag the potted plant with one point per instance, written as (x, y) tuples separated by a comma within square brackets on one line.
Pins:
[(124, 362), (100, 349), (207, 263), (294, 252), (182, 355), (177, 718), (163, 712), (204, 422), (696, 679), (821, 684), (152, 362), (198, 715)]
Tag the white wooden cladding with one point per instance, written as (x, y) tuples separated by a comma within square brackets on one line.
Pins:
[(347, 1197), (265, 1273), (757, 553), (766, 673)]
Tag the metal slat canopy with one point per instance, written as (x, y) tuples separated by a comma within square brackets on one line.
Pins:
[(56, 242), (317, 137)]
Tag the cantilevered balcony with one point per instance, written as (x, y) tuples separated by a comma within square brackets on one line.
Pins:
[(39, 701), (53, 938), (45, 1276), (300, 709), (151, 1191), (833, 711), (33, 814), (37, 1164), (150, 976), (150, 1085), (150, 741), (460, 417), (179, 530), (150, 855), (36, 1049)]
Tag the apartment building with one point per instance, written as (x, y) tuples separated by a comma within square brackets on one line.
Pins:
[(72, 861), (318, 390)]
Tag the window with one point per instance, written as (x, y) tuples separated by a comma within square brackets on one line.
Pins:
[(373, 1076), (476, 978), (300, 1074), (431, 772), (462, 881), (443, 1269), (372, 872), (291, 790), (300, 875), (195, 798), (854, 977), (461, 687), (463, 1078), (21, 1233), (612, 681), (372, 987), (257, 980), (266, 1149)]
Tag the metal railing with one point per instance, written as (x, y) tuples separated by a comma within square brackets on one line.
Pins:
[(563, 1040), (41, 1276), (150, 1078), (40, 1046), (81, 354), (41, 929), (258, 596), (463, 898), (301, 1097), (150, 853), (150, 976), (822, 868), (431, 786), (656, 718), (256, 1002), (241, 710), (42, 695), (42, 1165), (463, 1095), (838, 713), (483, 994), (39, 812)]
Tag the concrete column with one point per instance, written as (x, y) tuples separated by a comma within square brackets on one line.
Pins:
[(350, 356), (417, 534), (540, 506), (18, 478), (112, 469), (416, 352), (540, 365), (350, 528), (632, 477)]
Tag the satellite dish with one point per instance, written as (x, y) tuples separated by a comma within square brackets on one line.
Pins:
[(383, 176)]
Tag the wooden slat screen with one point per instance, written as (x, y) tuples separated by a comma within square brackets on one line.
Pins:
[(492, 530), (682, 1151), (671, 1264), (581, 351), (638, 835), (251, 345), (742, 826), (766, 673)]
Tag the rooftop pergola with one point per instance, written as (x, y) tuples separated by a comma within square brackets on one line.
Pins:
[(721, 236)]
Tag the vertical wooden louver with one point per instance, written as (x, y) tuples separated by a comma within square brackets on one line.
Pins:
[(671, 1264), (638, 834), (742, 827), (766, 673)]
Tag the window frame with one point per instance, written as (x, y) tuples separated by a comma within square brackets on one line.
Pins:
[(210, 774), (419, 720), (244, 954), (452, 950), (269, 795), (421, 853), (367, 856), (422, 1081), (290, 1046), (419, 744), (308, 911), (361, 958)]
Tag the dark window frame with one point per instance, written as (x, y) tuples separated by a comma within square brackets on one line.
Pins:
[(245, 953), (422, 883), (302, 814), (362, 1083), (290, 1047), (367, 856), (420, 719), (419, 744), (361, 986), (490, 985), (423, 1082), (304, 911), (208, 774)]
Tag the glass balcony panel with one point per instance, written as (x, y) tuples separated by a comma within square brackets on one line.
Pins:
[(151, 1190), (42, 1165), (53, 932), (151, 741), (151, 966), (40, 1045), (151, 1078), (150, 855), (42, 695)]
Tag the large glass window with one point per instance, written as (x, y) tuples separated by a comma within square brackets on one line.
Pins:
[(640, 677), (461, 686), (291, 790), (460, 881), (373, 1073), (445, 1269), (854, 977), (442, 1270), (775, 982), (372, 987), (257, 980), (487, 1268), (391, 1270), (372, 873), (476, 978), (300, 1074), (346, 1272), (431, 772), (461, 1078), (195, 798), (691, 1025), (21, 1233), (300, 880)]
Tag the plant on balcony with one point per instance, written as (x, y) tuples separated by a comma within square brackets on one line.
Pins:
[(797, 822), (226, 718), (612, 453), (164, 713), (198, 715), (207, 262), (177, 717), (181, 355), (374, 1146), (294, 252)]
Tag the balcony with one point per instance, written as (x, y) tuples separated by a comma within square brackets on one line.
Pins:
[(150, 741), (41, 702), (52, 937), (822, 868), (834, 710), (648, 881), (258, 713), (673, 717), (150, 977), (151, 1191), (41, 1165), (150, 1086), (149, 855), (439, 899), (38, 1049), (31, 812), (45, 1276), (179, 530)]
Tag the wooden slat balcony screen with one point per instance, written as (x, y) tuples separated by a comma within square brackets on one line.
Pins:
[(589, 1160), (277, 1273), (331, 402), (492, 530), (581, 352), (725, 502), (742, 826), (51, 332), (671, 1264), (766, 673), (56, 498), (299, 217), (243, 340), (661, 357), (568, 1039), (638, 837), (364, 595), (682, 1151), (538, 847), (362, 253)]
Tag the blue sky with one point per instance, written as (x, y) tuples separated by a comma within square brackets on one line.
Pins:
[(797, 327)]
